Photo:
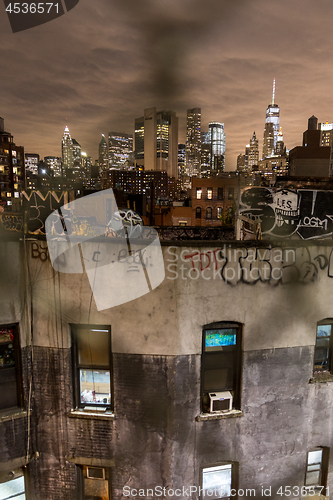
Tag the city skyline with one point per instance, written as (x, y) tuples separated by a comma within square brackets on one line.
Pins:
[(215, 56)]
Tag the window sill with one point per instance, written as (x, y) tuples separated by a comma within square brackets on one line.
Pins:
[(218, 415), (321, 378), (107, 415), (13, 413)]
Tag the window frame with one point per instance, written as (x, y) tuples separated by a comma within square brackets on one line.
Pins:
[(16, 474), (234, 477), (322, 483), (209, 213), (237, 378), (18, 366), (316, 369), (220, 193), (197, 212), (76, 369), (80, 479)]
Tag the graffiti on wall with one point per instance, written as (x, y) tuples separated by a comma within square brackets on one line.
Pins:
[(305, 213), (251, 265), (11, 222), (38, 207)]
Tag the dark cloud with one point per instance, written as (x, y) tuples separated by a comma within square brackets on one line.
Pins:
[(102, 63)]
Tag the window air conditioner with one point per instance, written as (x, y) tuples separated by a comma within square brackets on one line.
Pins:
[(220, 401), (95, 473)]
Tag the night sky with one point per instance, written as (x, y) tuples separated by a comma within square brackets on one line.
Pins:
[(102, 63)]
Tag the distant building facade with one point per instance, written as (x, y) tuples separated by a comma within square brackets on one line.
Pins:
[(311, 159), (156, 141), (120, 150), (214, 200), (12, 168), (217, 142), (193, 141), (31, 162)]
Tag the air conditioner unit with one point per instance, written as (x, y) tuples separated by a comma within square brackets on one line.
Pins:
[(95, 473), (220, 401)]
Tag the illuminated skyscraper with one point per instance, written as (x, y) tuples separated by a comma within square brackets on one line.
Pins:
[(217, 140), (31, 162), (268, 142), (54, 164), (273, 116), (193, 141), (156, 141), (67, 150), (206, 153), (253, 152), (76, 152), (103, 154), (120, 150)]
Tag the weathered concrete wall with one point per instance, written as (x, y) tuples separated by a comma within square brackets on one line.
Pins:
[(154, 438)]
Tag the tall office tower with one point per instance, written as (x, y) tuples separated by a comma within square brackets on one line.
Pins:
[(273, 115), (268, 141), (54, 164), (280, 148), (31, 162), (103, 155), (12, 168), (76, 151), (86, 164), (120, 150), (156, 141), (217, 140), (67, 150), (246, 156), (181, 160), (253, 153), (206, 152), (240, 162), (193, 141)]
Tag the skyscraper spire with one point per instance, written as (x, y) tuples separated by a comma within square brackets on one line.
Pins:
[(273, 96)]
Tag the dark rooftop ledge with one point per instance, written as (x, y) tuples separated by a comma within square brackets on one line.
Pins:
[(218, 415), (321, 378), (108, 415)]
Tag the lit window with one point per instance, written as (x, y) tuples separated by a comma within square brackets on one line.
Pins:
[(323, 349), (199, 193), (209, 193), (94, 483), (221, 367), (317, 468), (219, 481), (91, 350), (219, 212), (10, 383), (12, 485)]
